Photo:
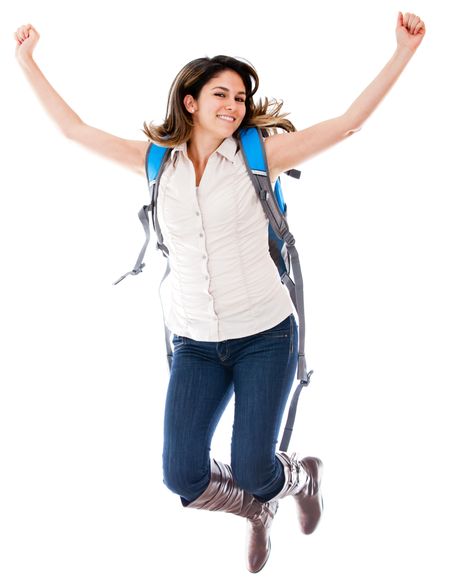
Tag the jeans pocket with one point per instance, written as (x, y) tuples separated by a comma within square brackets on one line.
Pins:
[(282, 330)]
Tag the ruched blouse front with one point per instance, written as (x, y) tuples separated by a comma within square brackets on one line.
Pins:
[(223, 282)]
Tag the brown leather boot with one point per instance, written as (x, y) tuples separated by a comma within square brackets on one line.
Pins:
[(222, 494), (302, 481)]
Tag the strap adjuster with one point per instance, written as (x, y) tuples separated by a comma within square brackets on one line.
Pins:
[(138, 270), (306, 383)]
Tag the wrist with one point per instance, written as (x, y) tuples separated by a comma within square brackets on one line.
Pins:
[(26, 61), (403, 50)]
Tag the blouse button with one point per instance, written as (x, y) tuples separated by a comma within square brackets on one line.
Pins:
[(197, 213), (201, 234)]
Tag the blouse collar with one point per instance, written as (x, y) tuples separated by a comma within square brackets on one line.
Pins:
[(227, 148)]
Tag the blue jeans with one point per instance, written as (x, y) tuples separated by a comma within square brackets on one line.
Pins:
[(260, 369)]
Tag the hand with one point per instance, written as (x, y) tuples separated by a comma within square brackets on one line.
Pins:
[(410, 31), (26, 37)]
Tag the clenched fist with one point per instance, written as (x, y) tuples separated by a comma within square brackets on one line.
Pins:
[(26, 37), (410, 30)]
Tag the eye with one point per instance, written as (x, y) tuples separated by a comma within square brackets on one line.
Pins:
[(222, 94)]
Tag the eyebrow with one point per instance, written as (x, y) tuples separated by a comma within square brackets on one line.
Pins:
[(223, 88)]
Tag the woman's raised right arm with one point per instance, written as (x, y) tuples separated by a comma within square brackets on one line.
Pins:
[(128, 153)]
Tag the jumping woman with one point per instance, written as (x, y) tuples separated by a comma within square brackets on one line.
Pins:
[(234, 327)]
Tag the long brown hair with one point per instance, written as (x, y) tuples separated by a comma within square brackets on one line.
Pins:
[(178, 124)]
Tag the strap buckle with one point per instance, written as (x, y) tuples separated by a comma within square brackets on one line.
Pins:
[(306, 383)]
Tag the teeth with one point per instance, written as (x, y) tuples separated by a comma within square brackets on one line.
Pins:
[(226, 117)]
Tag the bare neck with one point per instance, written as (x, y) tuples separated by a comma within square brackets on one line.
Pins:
[(201, 147)]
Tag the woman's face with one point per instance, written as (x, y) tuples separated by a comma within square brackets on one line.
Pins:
[(220, 107)]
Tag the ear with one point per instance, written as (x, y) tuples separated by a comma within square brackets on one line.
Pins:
[(189, 103)]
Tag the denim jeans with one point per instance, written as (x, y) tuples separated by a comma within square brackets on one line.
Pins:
[(260, 369)]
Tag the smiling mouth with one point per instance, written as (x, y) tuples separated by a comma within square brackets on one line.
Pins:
[(226, 118)]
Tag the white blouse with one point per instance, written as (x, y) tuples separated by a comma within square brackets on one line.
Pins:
[(223, 282)]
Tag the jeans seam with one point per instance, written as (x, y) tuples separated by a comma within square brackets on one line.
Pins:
[(291, 346)]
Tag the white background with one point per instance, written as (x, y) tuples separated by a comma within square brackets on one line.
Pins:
[(83, 367)]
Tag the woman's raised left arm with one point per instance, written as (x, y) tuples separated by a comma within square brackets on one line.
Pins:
[(287, 150), (409, 32)]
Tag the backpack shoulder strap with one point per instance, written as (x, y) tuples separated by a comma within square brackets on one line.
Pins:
[(252, 145), (155, 158), (153, 161), (154, 168)]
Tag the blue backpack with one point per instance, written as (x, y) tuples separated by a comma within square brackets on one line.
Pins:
[(281, 241)]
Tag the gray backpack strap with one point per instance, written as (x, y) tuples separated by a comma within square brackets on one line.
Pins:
[(154, 186), (169, 351), (165, 251), (155, 159), (139, 265), (154, 166), (279, 224)]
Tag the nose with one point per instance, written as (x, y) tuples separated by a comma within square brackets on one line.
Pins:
[(230, 105), (230, 109)]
